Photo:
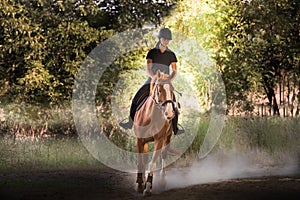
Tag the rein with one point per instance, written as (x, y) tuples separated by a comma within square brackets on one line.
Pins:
[(161, 105)]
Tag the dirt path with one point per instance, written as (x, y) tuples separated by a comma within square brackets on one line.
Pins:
[(110, 184)]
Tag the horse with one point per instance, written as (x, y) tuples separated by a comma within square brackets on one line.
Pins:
[(153, 123)]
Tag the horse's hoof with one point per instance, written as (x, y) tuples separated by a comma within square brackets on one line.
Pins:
[(147, 191)]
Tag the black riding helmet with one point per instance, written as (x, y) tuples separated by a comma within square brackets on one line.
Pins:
[(165, 33)]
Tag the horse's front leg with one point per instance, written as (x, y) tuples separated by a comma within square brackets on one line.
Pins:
[(142, 150), (152, 166)]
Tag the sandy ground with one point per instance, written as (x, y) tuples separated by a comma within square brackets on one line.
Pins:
[(110, 184)]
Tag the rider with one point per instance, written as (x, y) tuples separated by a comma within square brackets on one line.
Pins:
[(158, 58)]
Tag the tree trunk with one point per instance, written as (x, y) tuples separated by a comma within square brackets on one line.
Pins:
[(275, 105), (271, 97)]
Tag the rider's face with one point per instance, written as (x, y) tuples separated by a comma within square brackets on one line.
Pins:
[(164, 41)]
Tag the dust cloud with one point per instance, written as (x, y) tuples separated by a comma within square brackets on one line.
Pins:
[(222, 165)]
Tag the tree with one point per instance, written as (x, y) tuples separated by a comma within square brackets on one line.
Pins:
[(128, 14), (254, 43), (43, 43), (259, 47)]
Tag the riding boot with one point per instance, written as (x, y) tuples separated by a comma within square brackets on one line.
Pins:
[(176, 130), (128, 124)]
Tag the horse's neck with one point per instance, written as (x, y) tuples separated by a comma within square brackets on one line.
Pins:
[(152, 109), (150, 113), (149, 120)]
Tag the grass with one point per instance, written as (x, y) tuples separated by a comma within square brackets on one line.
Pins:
[(271, 139), (60, 148), (272, 134), (44, 154)]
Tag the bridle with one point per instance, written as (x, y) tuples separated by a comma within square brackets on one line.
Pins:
[(160, 104)]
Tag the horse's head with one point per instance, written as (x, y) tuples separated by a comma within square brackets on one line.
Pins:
[(162, 93)]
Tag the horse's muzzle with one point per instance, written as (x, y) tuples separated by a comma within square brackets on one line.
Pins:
[(169, 116)]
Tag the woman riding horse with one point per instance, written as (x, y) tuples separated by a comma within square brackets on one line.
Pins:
[(158, 58)]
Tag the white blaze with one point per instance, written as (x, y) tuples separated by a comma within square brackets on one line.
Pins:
[(169, 109)]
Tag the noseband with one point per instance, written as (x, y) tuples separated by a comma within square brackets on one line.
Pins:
[(161, 105)]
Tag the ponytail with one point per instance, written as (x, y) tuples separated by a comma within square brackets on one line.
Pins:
[(157, 44)]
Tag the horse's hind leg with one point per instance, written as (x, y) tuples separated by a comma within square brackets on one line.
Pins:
[(163, 165), (163, 158), (162, 182)]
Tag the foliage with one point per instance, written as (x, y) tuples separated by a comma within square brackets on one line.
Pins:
[(254, 43), (43, 43), (128, 14), (259, 48), (42, 47)]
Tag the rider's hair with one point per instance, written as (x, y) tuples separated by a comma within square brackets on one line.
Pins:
[(157, 44)]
